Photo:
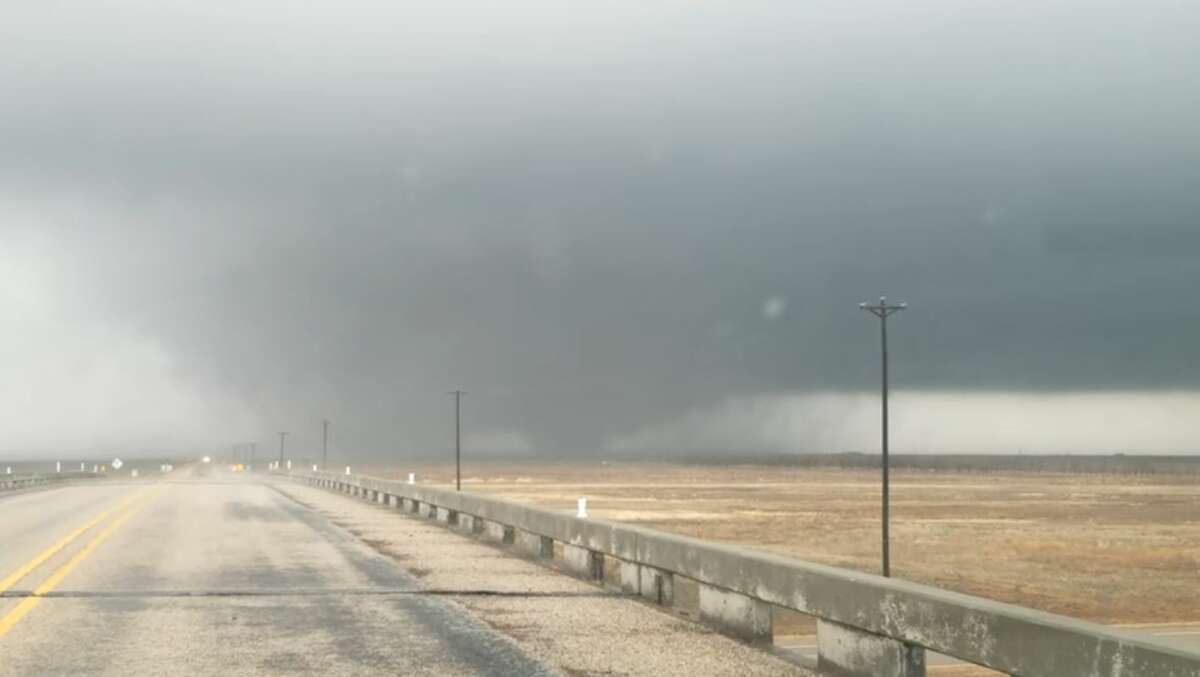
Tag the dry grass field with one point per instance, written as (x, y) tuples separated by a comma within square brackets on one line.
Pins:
[(1110, 548)]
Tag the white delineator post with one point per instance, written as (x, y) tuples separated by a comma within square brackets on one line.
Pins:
[(314, 467), (581, 507), (347, 470), (289, 464), (412, 478), (58, 466), (8, 470), (82, 466)]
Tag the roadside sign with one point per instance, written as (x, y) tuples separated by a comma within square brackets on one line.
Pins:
[(116, 464)]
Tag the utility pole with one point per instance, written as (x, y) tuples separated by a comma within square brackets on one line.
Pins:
[(882, 311), (253, 451), (282, 435), (324, 444), (458, 438)]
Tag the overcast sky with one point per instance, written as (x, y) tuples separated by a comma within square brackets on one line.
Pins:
[(618, 225)]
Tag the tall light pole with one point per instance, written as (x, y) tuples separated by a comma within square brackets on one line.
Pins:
[(458, 438), (325, 444), (882, 311), (282, 435)]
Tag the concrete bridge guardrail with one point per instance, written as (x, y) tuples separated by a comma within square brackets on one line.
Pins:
[(866, 624), (11, 482)]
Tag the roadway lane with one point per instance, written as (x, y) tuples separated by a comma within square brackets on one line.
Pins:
[(221, 576), (32, 520)]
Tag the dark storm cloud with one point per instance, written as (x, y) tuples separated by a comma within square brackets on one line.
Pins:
[(577, 213)]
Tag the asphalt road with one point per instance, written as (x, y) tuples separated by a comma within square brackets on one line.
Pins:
[(216, 575)]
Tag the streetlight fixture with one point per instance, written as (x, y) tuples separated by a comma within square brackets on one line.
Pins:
[(882, 311)]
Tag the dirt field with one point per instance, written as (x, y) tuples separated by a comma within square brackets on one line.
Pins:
[(1110, 548)]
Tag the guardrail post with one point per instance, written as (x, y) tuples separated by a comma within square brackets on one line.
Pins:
[(647, 582), (843, 651), (493, 531), (467, 523), (631, 578), (583, 562), (447, 516), (658, 585), (527, 543), (533, 545), (736, 614)]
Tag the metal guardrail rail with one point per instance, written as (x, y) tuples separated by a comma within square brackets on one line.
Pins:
[(867, 625)]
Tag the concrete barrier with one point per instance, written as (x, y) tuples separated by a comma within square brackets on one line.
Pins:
[(867, 625), (15, 482)]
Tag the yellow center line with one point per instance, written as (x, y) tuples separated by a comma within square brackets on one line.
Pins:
[(53, 550), (21, 610)]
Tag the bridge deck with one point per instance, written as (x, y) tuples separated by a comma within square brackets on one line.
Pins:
[(223, 575)]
